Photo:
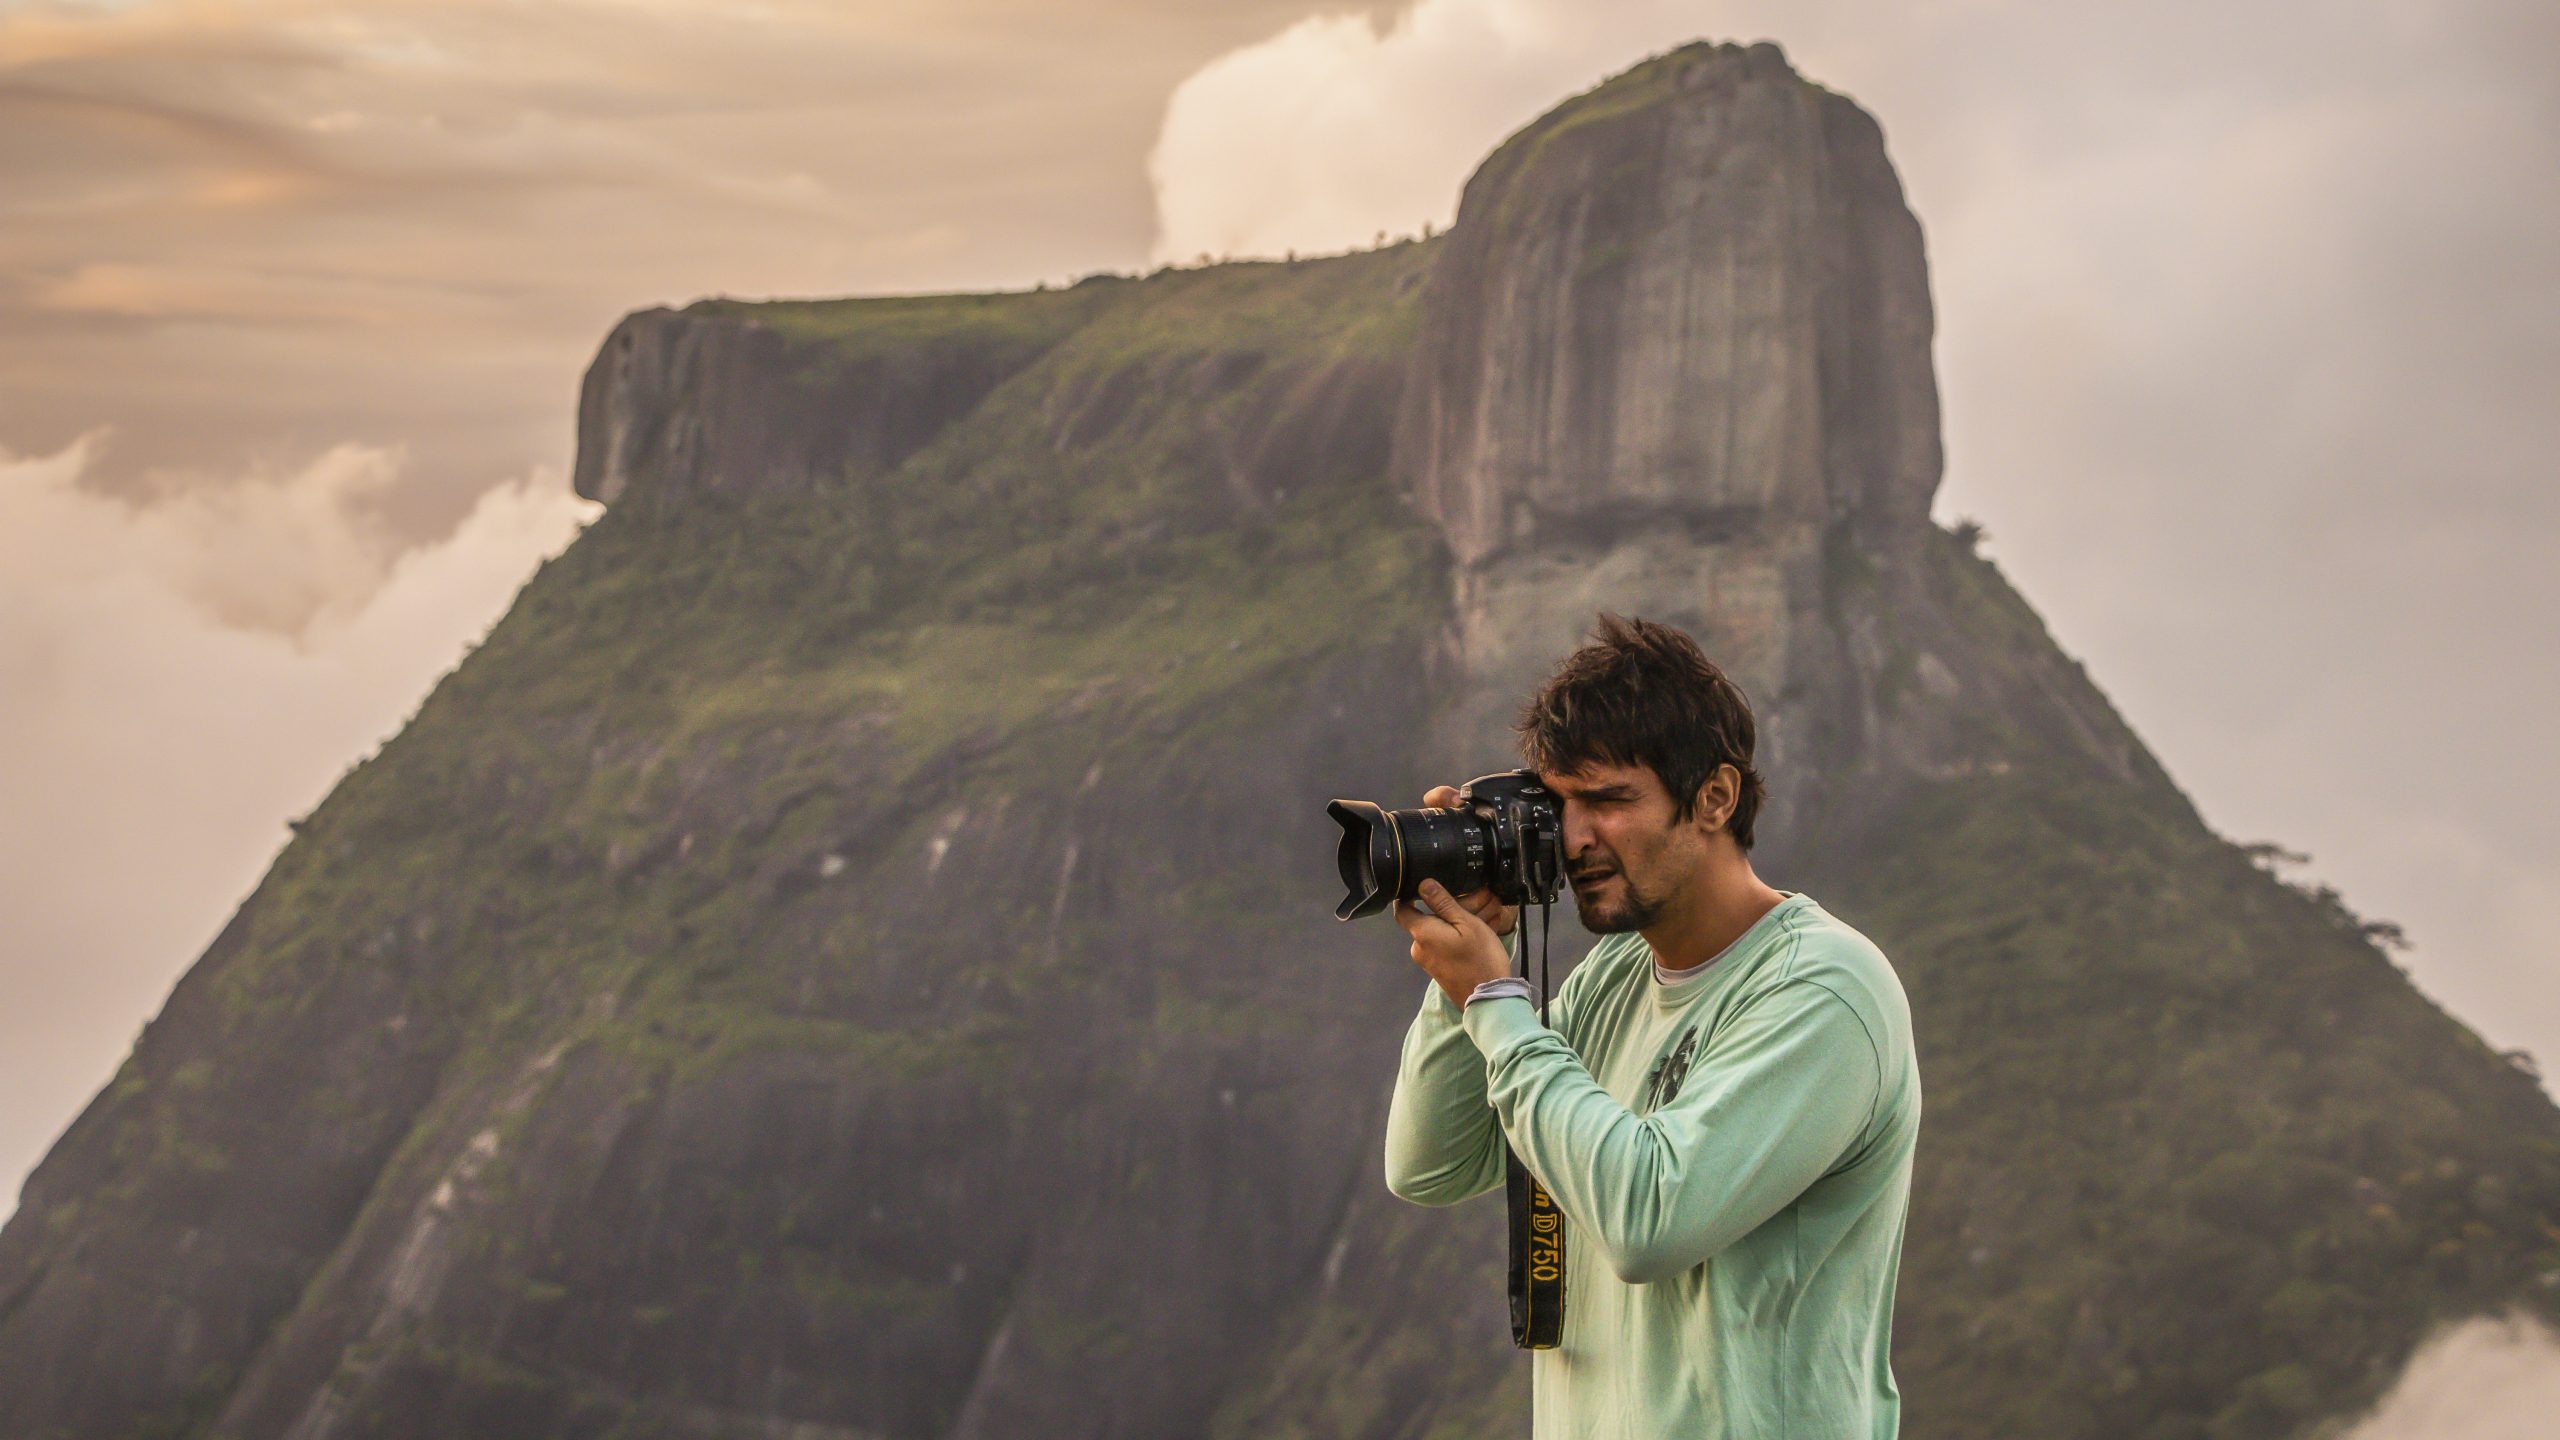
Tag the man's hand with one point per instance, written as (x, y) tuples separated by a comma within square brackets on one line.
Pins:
[(1479, 903), (1454, 947)]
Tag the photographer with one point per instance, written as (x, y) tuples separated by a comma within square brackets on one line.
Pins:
[(1726, 1105)]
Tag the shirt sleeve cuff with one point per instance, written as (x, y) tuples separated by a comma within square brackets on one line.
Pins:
[(1501, 1022)]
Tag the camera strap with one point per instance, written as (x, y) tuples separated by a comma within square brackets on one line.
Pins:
[(1537, 1227)]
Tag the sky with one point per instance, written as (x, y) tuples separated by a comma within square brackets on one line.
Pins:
[(2248, 339)]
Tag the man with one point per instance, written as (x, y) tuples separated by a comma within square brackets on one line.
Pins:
[(1726, 1107)]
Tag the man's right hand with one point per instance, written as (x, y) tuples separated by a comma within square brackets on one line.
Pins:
[(1491, 911)]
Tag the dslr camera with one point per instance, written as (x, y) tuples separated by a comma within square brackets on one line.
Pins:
[(1506, 834)]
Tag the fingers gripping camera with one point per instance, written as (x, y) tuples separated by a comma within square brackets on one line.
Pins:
[(1505, 834)]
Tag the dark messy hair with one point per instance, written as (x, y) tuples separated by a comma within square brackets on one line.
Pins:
[(1640, 693)]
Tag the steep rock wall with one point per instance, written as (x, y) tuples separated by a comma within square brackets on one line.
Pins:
[(722, 398), (1675, 361), (1689, 301)]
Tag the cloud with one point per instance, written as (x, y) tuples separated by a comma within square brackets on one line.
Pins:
[(276, 552), (225, 227), (2483, 1379), (183, 675), (1339, 127)]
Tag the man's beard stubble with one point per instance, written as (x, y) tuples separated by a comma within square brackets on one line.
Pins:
[(1628, 909)]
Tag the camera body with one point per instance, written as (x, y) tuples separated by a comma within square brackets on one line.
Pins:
[(1506, 834)]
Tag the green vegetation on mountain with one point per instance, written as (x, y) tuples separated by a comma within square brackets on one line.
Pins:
[(2200, 1161)]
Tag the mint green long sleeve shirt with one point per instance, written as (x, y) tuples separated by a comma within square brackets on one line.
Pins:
[(1732, 1156)]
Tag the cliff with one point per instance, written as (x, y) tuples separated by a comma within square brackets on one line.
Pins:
[(851, 954)]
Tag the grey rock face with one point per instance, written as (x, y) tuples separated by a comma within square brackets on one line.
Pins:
[(686, 402), (1691, 301), (1676, 363)]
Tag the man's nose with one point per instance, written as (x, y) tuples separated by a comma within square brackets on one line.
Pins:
[(1577, 831)]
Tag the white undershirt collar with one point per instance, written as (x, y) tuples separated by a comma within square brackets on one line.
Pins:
[(1671, 979)]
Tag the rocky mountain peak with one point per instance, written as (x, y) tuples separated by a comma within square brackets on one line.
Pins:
[(1675, 360), (1691, 296)]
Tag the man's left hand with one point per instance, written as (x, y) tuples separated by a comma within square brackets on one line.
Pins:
[(1457, 949)]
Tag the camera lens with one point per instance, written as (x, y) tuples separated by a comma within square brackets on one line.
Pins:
[(1385, 855)]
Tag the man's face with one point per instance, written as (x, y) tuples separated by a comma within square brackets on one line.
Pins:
[(1625, 857)]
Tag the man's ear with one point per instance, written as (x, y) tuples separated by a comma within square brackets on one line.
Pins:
[(1717, 796)]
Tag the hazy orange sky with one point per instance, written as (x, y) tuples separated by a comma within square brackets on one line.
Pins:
[(2249, 334)]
